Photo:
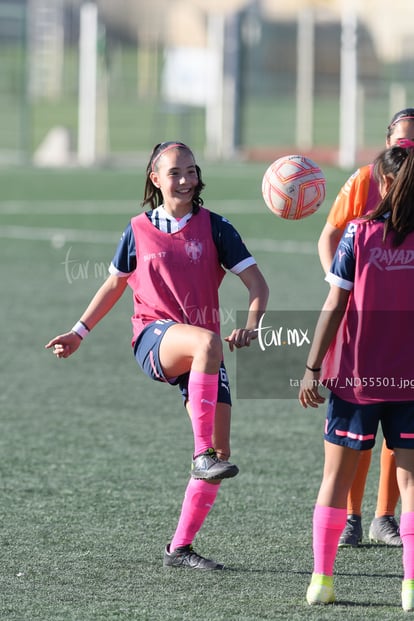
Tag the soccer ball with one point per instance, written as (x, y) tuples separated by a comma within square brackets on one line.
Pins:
[(293, 187)]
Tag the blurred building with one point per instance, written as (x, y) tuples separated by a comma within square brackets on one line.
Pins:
[(157, 66), (390, 24)]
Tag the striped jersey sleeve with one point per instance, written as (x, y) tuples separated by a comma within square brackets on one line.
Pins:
[(232, 252), (342, 272), (124, 261)]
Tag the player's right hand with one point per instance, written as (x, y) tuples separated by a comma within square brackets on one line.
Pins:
[(64, 345), (309, 395)]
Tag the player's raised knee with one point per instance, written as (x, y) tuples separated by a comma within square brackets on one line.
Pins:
[(210, 346)]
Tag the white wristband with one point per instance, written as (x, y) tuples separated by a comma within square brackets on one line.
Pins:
[(81, 329)]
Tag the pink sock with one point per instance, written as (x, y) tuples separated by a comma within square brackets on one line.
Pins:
[(328, 524), (202, 395), (198, 500), (407, 537)]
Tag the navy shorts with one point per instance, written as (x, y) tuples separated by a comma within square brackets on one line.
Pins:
[(355, 425), (146, 350)]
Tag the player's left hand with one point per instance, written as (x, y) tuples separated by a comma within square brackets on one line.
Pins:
[(240, 337)]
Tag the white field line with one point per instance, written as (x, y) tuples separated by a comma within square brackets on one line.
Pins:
[(55, 235), (60, 236), (64, 207), (284, 246)]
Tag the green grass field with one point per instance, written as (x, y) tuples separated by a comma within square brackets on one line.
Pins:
[(95, 457)]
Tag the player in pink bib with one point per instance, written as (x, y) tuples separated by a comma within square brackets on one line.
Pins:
[(174, 257), (358, 196), (362, 351)]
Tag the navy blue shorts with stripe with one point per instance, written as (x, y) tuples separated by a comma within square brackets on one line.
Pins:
[(146, 352), (355, 425)]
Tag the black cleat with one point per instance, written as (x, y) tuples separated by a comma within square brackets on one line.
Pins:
[(188, 559), (385, 529), (209, 467), (352, 533)]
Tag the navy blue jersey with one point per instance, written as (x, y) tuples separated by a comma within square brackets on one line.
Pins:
[(342, 272)]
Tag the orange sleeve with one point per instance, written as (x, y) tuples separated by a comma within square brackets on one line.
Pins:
[(351, 200)]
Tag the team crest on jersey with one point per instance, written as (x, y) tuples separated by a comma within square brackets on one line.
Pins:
[(194, 249)]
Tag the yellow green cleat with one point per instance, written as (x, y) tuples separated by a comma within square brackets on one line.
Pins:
[(407, 595), (320, 590)]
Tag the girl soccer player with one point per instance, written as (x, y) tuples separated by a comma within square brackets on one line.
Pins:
[(173, 258), (358, 196), (364, 340)]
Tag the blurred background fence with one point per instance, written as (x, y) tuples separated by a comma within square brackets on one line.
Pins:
[(156, 76)]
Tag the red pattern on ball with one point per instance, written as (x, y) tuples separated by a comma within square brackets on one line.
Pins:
[(293, 187)]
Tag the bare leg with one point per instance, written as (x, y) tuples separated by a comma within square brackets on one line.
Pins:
[(404, 459), (339, 471), (184, 348)]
